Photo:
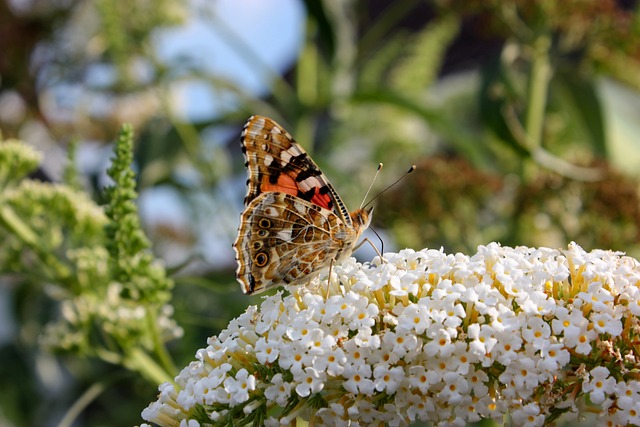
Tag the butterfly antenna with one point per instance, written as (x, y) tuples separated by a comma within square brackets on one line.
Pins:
[(411, 169), (379, 238), (371, 186)]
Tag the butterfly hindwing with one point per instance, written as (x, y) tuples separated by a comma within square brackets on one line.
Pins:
[(285, 240)]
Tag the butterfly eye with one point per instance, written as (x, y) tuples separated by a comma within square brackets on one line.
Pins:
[(264, 223), (261, 259)]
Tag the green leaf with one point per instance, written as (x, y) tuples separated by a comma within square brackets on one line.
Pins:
[(580, 100), (424, 55), (374, 70), (498, 94), (326, 34)]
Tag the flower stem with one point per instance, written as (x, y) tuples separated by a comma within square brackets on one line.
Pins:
[(83, 401), (158, 345), (138, 360), (538, 88)]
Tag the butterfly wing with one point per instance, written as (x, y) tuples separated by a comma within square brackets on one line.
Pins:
[(276, 162), (294, 223), (286, 240)]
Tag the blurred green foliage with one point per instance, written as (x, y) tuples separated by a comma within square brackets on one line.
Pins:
[(510, 110)]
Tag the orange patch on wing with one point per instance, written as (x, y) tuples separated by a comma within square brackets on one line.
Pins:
[(321, 199), (285, 184)]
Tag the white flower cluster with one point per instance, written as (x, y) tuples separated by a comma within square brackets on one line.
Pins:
[(427, 336)]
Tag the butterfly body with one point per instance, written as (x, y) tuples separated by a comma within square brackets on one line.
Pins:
[(294, 224)]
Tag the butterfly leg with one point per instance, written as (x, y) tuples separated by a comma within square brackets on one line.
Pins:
[(362, 242), (329, 279)]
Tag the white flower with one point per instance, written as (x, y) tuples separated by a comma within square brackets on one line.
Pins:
[(364, 314), (522, 375), (331, 361), (582, 340), (292, 356), (279, 391), (385, 356), (568, 322), (270, 311), (477, 382), (319, 342), (358, 379), (503, 319), (309, 382), (440, 343), (462, 358), (386, 378), (597, 296), (348, 304), (631, 296), (366, 338), (455, 388), (628, 394), (484, 339), (337, 329), (333, 415), (600, 385), (413, 318), (205, 387), (484, 297), (300, 327), (267, 351), (528, 416), (604, 323), (630, 415), (536, 332), (467, 410), (401, 344), (239, 387), (422, 379), (419, 407), (553, 357), (356, 355), (364, 411), (429, 337), (507, 348)]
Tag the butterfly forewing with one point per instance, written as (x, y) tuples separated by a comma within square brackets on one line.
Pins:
[(276, 162)]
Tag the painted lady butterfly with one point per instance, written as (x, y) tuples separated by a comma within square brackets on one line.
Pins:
[(294, 224)]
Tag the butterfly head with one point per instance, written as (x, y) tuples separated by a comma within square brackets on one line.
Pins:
[(361, 218)]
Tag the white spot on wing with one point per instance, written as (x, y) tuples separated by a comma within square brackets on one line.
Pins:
[(259, 121), (309, 183), (269, 199), (285, 156), (284, 235), (271, 211), (300, 207), (268, 159)]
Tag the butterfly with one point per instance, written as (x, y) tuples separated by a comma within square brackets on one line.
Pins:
[(294, 224)]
